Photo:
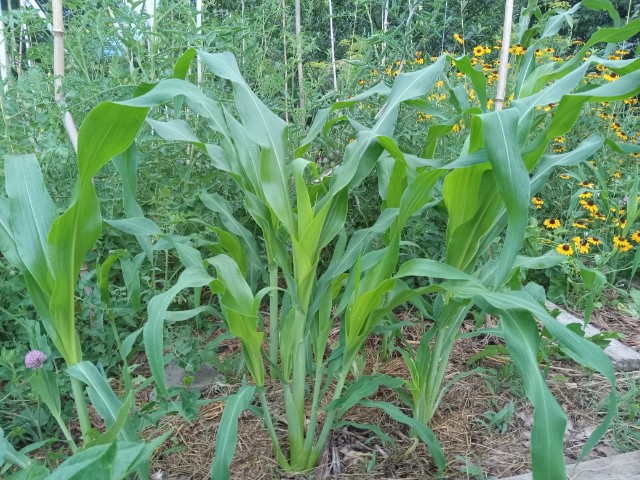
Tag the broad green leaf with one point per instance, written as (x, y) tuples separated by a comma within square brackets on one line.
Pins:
[(512, 182), (240, 313), (135, 226), (106, 402), (153, 332), (31, 214), (549, 421), (227, 434), (108, 130), (604, 5), (423, 431), (127, 165), (363, 387)]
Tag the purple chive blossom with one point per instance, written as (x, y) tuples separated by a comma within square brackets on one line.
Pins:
[(35, 359)]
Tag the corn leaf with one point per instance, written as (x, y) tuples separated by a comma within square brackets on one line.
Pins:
[(227, 434)]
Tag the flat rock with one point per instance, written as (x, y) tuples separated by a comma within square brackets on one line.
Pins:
[(625, 466), (204, 377), (623, 357)]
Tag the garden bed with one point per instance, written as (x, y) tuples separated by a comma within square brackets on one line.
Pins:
[(473, 446)]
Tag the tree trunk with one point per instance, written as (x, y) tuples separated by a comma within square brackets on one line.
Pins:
[(58, 70), (504, 54), (299, 55), (333, 47)]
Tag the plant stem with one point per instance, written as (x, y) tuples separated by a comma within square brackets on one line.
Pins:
[(449, 323), (282, 461), (274, 331), (311, 429), (328, 424), (81, 405), (66, 433), (298, 389)]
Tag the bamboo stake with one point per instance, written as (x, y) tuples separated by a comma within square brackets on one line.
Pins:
[(58, 70), (385, 27), (299, 53), (286, 68), (333, 46), (504, 54), (199, 31), (4, 58)]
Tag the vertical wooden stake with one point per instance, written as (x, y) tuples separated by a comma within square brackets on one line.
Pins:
[(4, 58), (199, 31), (58, 70), (286, 63), (333, 46), (504, 54), (299, 54)]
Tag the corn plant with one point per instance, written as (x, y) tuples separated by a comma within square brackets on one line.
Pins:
[(49, 249), (355, 286), (507, 149)]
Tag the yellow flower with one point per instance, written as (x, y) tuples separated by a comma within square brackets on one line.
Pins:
[(594, 241), (580, 224), (361, 82), (489, 103), (564, 249), (564, 177), (582, 245), (635, 236), (621, 243), (586, 184), (551, 223), (458, 38), (589, 205), (617, 175), (611, 77), (585, 195), (478, 51), (538, 202), (559, 139)]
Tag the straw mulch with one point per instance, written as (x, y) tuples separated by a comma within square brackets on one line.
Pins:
[(466, 438)]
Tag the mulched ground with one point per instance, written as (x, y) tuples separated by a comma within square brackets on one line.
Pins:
[(466, 439)]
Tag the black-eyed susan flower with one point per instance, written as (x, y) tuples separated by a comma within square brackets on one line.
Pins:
[(586, 184), (635, 236), (594, 241), (564, 177), (458, 38), (551, 223), (582, 244), (478, 50), (598, 216), (621, 243), (586, 195), (538, 202), (564, 249), (580, 224), (589, 205)]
